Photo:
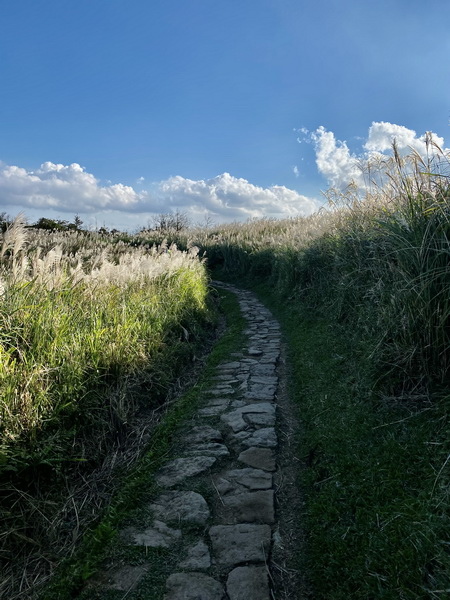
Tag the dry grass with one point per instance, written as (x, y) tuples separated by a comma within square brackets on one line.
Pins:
[(92, 331)]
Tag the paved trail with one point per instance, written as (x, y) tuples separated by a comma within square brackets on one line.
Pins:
[(231, 450)]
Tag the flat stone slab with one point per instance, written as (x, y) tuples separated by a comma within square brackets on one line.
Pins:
[(259, 458), (267, 380), (180, 469), (260, 408), (221, 390), (198, 557), (249, 507), (261, 396), (265, 369), (182, 507), (260, 419), (240, 418), (238, 404), (237, 544), (234, 420), (243, 480), (193, 586), (217, 402), (254, 351), (208, 449), (248, 583), (229, 365), (263, 438), (214, 409), (203, 433), (157, 536)]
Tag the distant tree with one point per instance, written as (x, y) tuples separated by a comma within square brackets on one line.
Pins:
[(172, 221), (51, 224), (58, 224), (5, 221)]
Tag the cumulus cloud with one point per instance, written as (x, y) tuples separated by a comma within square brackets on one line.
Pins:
[(67, 188), (334, 159), (382, 134), (70, 188), (340, 166), (235, 198)]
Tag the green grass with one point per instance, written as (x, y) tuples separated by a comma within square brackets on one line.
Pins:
[(138, 486), (363, 295), (373, 472), (89, 337)]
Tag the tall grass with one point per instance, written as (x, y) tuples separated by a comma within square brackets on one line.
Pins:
[(362, 289), (91, 330), (375, 258)]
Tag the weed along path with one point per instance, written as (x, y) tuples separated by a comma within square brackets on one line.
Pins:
[(211, 531)]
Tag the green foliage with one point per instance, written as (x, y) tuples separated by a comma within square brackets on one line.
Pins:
[(87, 338), (363, 293), (373, 473), (138, 486)]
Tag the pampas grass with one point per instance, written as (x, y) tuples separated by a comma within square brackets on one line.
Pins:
[(91, 330)]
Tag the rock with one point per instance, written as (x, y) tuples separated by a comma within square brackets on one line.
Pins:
[(183, 507), (222, 390), (229, 365), (250, 507), (254, 351), (203, 433), (237, 404), (267, 380), (264, 393), (158, 536), (242, 436), (208, 449), (260, 420), (181, 468), (236, 544), (248, 583), (235, 418), (242, 480), (260, 458), (270, 359), (193, 586), (198, 557), (264, 438), (214, 409), (266, 370), (261, 407)]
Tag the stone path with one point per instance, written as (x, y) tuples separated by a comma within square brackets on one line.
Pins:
[(230, 450)]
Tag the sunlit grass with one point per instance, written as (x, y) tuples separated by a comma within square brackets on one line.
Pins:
[(92, 330)]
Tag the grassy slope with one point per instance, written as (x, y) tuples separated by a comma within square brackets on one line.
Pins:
[(139, 486), (373, 472)]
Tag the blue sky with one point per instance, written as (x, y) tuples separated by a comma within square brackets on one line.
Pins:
[(118, 110)]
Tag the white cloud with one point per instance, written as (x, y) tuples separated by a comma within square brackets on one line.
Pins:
[(295, 170), (68, 188), (334, 160), (339, 166), (234, 198), (382, 134), (71, 189)]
